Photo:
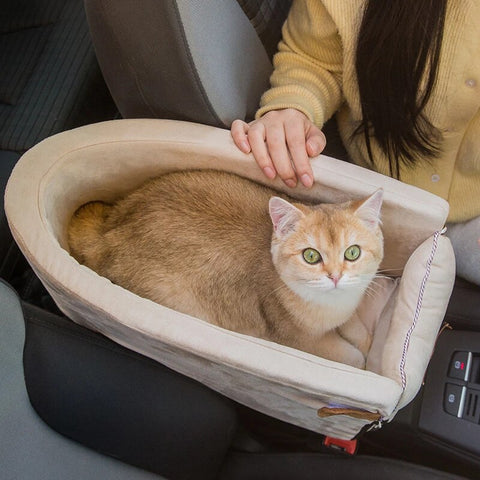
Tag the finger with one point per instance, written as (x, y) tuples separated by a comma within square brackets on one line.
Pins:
[(315, 141), (239, 132), (295, 136), (256, 137), (277, 147)]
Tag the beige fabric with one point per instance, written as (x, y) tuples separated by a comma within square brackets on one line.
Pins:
[(104, 160)]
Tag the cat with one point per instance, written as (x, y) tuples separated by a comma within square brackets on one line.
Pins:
[(240, 255)]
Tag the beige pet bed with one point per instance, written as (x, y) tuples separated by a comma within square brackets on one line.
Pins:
[(104, 160)]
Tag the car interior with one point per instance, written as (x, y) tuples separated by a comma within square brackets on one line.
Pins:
[(76, 405)]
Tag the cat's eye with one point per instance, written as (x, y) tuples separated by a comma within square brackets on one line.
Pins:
[(352, 253), (312, 256)]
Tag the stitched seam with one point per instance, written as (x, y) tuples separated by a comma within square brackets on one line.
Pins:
[(417, 309)]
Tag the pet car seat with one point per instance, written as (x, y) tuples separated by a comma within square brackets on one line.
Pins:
[(102, 161)]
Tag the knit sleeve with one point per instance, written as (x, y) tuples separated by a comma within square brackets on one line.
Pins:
[(308, 65)]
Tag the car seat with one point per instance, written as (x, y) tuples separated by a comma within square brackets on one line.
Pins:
[(49, 81)]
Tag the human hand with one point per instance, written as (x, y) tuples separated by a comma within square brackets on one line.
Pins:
[(281, 142)]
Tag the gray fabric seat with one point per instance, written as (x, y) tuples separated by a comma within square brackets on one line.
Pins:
[(8, 251), (206, 62), (49, 81)]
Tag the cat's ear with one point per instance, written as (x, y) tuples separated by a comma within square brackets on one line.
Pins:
[(369, 209), (284, 215)]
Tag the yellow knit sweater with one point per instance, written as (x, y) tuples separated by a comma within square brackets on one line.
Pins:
[(315, 73)]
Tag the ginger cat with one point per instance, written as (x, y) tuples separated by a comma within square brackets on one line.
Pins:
[(242, 256)]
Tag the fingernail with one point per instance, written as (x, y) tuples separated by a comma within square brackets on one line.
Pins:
[(314, 148), (307, 180), (290, 183), (245, 147), (269, 172)]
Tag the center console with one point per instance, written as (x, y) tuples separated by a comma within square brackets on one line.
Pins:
[(451, 399), (440, 428)]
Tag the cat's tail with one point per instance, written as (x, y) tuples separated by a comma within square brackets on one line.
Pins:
[(85, 232)]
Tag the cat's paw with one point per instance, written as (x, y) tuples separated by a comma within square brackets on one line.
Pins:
[(356, 334), (334, 347), (355, 358), (364, 345), (359, 361)]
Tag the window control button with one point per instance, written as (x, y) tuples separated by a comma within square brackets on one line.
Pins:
[(453, 399), (460, 365)]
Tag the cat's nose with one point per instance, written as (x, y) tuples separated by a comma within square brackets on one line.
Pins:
[(335, 277)]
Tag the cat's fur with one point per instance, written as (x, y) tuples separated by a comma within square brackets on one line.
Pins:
[(202, 243)]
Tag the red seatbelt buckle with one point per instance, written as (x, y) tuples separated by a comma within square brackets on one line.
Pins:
[(346, 446)]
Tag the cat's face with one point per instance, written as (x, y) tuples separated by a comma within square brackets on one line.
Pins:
[(327, 253)]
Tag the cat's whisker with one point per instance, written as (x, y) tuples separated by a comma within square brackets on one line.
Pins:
[(379, 275), (370, 294), (296, 278), (315, 283), (390, 271), (373, 290)]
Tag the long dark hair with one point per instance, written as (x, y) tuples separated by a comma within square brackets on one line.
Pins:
[(397, 57)]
